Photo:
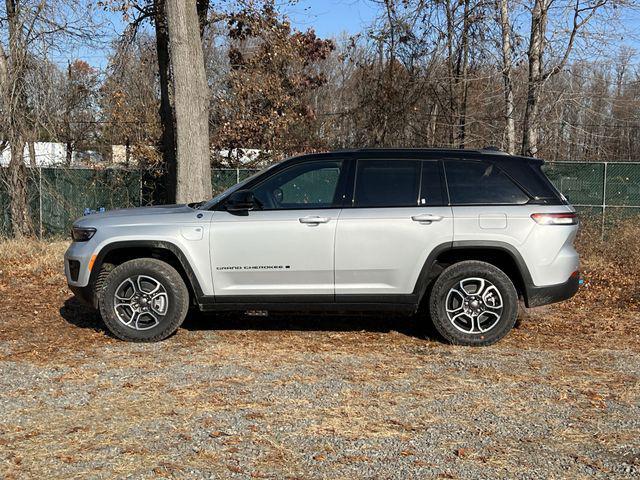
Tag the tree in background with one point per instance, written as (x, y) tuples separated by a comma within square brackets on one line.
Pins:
[(33, 28), (191, 102), (129, 102), (138, 13), (267, 100), (556, 37), (79, 106), (15, 109)]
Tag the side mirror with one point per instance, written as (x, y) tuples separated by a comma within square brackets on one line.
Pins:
[(240, 202)]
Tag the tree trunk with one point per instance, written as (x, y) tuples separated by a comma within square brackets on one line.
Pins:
[(69, 153), (21, 223), (535, 77), (32, 153), (15, 106), (202, 7), (451, 82), (433, 124), (4, 72), (462, 73), (166, 108), (507, 53), (191, 96)]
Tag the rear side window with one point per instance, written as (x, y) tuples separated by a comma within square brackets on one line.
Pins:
[(472, 183), (387, 183)]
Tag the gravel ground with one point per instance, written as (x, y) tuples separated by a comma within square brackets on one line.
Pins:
[(313, 397)]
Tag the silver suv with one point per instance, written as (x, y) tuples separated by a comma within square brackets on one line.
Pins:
[(466, 233)]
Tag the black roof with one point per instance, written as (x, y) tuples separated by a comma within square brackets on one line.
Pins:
[(447, 153)]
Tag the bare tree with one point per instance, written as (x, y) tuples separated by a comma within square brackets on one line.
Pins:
[(580, 12), (34, 28), (137, 13), (507, 75), (14, 107)]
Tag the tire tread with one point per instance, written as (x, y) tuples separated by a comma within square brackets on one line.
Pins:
[(473, 268), (173, 283)]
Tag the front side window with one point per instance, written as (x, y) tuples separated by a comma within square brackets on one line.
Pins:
[(387, 183), (304, 186), (473, 183)]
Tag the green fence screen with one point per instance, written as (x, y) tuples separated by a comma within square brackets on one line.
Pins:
[(604, 191), (57, 196)]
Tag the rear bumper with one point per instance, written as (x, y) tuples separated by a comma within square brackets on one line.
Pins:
[(538, 296)]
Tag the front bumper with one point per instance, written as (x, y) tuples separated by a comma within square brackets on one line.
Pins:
[(77, 261), (84, 294), (538, 296)]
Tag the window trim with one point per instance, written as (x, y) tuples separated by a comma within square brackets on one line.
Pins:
[(353, 177), (482, 204), (340, 187)]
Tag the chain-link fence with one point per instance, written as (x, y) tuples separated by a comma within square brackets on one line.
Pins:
[(58, 196), (604, 191)]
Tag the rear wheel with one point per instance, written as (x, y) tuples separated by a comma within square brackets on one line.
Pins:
[(473, 303), (143, 300)]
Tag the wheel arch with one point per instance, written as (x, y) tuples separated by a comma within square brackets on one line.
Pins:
[(117, 253), (500, 254)]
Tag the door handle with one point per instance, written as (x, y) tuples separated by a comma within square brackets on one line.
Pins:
[(426, 218), (314, 219)]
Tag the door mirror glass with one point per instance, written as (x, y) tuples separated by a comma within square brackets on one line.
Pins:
[(240, 202)]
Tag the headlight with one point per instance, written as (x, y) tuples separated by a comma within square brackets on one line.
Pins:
[(82, 234)]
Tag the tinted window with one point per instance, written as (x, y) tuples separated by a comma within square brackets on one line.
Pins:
[(481, 183), (431, 188), (303, 186), (387, 183)]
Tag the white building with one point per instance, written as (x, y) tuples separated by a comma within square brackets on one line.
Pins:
[(48, 154)]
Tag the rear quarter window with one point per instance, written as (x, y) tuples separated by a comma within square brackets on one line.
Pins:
[(481, 183)]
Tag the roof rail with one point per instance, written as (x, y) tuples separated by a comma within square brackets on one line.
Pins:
[(493, 149)]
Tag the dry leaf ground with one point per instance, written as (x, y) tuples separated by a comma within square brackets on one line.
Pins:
[(321, 396)]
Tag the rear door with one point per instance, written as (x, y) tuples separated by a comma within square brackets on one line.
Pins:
[(284, 248), (398, 213)]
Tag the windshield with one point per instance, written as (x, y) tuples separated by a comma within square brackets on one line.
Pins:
[(230, 190)]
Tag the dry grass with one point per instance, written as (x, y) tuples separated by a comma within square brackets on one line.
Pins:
[(610, 266), (29, 257)]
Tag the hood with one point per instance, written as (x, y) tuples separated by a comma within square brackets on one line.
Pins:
[(135, 212)]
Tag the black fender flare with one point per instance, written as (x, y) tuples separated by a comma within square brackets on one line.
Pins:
[(427, 274), (151, 244)]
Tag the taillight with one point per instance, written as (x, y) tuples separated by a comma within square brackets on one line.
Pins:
[(555, 218)]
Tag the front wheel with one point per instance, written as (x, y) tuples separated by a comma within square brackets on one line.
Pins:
[(473, 303), (143, 300)]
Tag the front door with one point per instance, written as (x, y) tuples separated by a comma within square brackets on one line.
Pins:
[(286, 245), (398, 214)]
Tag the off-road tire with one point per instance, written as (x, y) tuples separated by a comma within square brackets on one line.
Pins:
[(473, 269), (178, 299)]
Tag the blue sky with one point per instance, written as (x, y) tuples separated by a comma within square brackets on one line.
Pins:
[(330, 18)]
